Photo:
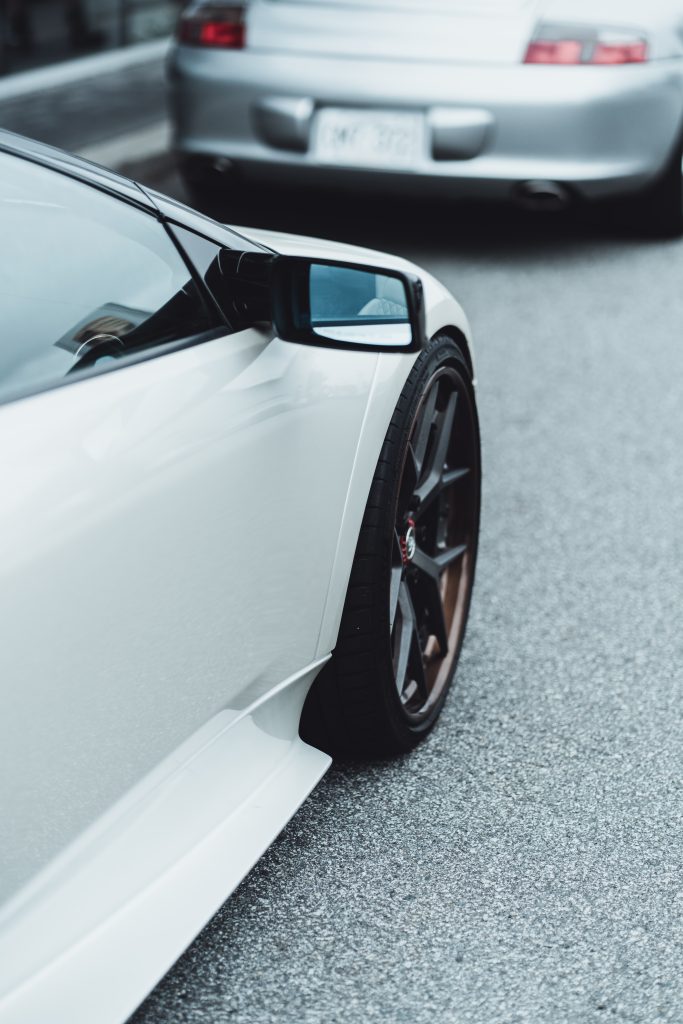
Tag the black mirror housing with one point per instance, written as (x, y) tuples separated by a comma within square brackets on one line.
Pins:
[(334, 304), (325, 303)]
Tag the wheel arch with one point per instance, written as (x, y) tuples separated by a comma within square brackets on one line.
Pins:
[(460, 338), (357, 636), (391, 374)]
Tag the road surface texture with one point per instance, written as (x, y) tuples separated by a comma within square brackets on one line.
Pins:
[(525, 864), (77, 114)]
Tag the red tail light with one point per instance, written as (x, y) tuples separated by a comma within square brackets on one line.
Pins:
[(620, 53), (215, 26), (560, 51), (568, 44)]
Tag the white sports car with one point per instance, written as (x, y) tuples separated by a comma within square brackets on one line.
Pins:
[(238, 532)]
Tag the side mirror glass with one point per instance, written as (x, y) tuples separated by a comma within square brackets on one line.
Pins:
[(358, 307), (338, 305)]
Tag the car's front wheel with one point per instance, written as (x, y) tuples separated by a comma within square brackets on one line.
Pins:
[(411, 582)]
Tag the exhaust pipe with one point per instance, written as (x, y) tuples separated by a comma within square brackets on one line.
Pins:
[(543, 195)]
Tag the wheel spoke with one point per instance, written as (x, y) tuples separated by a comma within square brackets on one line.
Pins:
[(451, 555), (451, 476), (437, 622), (405, 639), (424, 429), (409, 479), (410, 673), (436, 565), (434, 485), (396, 577), (432, 480), (443, 437), (416, 663)]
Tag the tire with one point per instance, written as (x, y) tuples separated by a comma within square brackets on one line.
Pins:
[(405, 613), (658, 211)]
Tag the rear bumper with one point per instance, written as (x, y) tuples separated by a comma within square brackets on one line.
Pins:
[(602, 131)]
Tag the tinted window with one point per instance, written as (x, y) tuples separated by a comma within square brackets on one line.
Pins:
[(84, 277)]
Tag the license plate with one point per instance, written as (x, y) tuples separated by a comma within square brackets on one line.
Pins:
[(373, 138)]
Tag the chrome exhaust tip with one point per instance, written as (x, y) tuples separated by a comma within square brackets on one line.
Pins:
[(543, 195), (223, 165)]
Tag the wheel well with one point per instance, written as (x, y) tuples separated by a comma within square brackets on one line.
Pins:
[(459, 338)]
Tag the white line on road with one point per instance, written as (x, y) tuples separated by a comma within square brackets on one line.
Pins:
[(26, 82)]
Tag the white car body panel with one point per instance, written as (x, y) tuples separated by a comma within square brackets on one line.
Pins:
[(442, 311), (137, 887), (177, 483), (215, 494)]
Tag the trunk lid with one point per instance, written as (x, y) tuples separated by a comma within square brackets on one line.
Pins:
[(462, 31)]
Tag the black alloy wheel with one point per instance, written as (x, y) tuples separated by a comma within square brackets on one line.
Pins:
[(411, 583), (433, 546)]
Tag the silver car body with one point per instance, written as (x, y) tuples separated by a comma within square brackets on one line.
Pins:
[(486, 123)]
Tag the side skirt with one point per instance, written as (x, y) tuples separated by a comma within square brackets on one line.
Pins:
[(93, 934)]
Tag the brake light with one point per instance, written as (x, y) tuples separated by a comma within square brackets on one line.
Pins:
[(221, 27), (620, 53), (560, 51), (571, 44)]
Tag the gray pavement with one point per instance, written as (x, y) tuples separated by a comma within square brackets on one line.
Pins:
[(525, 864), (75, 115)]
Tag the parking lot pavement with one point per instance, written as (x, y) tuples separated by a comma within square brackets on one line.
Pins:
[(525, 863), (81, 112)]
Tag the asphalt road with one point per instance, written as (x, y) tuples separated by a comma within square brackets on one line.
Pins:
[(78, 114), (526, 863)]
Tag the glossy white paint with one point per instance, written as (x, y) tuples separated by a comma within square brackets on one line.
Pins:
[(175, 544), (92, 935), (442, 311), (167, 533)]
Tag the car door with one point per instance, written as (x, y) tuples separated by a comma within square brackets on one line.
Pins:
[(171, 498)]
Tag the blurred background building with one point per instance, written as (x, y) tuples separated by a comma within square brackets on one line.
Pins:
[(35, 33)]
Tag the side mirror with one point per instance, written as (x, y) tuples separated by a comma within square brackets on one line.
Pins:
[(343, 305), (320, 302)]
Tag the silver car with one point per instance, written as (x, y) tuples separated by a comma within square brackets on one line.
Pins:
[(539, 100)]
